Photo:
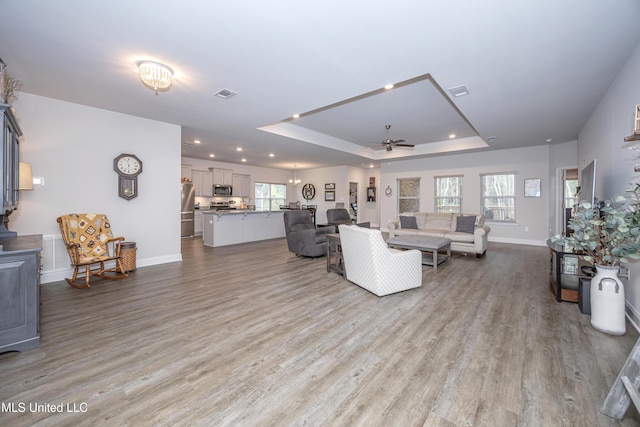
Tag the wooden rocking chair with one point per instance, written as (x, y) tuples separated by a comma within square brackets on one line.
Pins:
[(90, 244)]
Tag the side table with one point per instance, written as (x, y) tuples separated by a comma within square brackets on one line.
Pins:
[(335, 261)]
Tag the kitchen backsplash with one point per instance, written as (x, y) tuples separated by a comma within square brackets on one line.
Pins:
[(206, 201)]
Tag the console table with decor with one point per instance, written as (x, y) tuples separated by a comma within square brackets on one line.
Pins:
[(20, 292), (565, 272)]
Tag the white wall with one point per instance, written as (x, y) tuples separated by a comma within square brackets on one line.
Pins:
[(532, 220), (602, 138), (73, 146)]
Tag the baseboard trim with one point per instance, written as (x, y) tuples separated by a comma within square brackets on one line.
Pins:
[(59, 275), (632, 315), (518, 241)]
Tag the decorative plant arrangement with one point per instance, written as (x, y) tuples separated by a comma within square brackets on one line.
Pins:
[(9, 88), (609, 235)]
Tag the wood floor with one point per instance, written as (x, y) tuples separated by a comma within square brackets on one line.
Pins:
[(251, 335)]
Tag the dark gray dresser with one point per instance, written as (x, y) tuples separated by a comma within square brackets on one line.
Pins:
[(20, 292)]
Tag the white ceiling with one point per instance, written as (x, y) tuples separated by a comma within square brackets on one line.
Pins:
[(534, 70)]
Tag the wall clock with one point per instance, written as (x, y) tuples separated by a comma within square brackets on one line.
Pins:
[(308, 191), (128, 168)]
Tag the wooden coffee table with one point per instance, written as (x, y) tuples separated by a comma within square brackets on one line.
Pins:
[(432, 245)]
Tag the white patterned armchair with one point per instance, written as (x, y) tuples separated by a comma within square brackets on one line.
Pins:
[(370, 264)]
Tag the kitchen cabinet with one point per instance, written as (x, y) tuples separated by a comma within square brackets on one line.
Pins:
[(222, 176), (202, 183), (198, 223), (186, 171), (233, 227), (241, 185), (20, 293)]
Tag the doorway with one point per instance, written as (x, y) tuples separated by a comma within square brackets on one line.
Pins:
[(570, 188)]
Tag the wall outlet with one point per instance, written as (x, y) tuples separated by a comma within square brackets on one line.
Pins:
[(625, 272)]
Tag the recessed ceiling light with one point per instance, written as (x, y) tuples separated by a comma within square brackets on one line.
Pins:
[(451, 136), (212, 155), (389, 86), (296, 116), (548, 140), (244, 160), (196, 141), (239, 149), (271, 155), (459, 90), (370, 166), (491, 138)]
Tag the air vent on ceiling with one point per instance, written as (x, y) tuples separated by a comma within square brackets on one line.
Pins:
[(225, 93), (459, 90)]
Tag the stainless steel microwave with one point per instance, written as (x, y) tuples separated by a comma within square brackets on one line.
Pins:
[(221, 190)]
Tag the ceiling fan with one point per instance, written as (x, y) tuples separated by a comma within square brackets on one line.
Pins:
[(390, 143)]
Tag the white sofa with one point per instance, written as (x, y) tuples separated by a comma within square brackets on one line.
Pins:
[(445, 225), (370, 264)]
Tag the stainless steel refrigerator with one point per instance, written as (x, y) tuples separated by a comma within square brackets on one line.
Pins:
[(187, 210)]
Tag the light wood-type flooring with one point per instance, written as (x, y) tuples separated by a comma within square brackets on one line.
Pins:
[(251, 335)]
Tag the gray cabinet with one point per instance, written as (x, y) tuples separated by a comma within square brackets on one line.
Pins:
[(20, 293), (9, 160)]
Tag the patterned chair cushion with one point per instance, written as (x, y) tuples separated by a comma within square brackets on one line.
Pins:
[(91, 232)]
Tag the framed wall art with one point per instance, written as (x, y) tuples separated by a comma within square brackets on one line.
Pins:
[(371, 194), (532, 187), (329, 196), (330, 186)]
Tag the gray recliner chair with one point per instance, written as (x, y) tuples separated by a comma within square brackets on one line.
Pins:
[(338, 216), (303, 238)]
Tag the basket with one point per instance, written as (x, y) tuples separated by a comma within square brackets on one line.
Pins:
[(128, 255)]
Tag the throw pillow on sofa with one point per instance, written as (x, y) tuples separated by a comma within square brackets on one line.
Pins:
[(466, 224), (408, 222)]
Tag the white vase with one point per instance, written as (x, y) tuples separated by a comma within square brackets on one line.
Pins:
[(607, 301)]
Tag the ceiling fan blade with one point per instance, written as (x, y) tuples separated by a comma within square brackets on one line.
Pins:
[(404, 145), (395, 141)]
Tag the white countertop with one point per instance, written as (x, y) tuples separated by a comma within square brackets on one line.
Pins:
[(237, 211)]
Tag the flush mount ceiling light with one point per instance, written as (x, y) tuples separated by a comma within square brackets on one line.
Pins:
[(155, 76)]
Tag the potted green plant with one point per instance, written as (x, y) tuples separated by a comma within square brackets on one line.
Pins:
[(606, 237)]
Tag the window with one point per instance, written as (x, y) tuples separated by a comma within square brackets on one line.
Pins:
[(269, 197), (448, 194), (409, 195), (499, 196)]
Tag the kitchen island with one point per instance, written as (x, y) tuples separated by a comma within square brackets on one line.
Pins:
[(229, 227)]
